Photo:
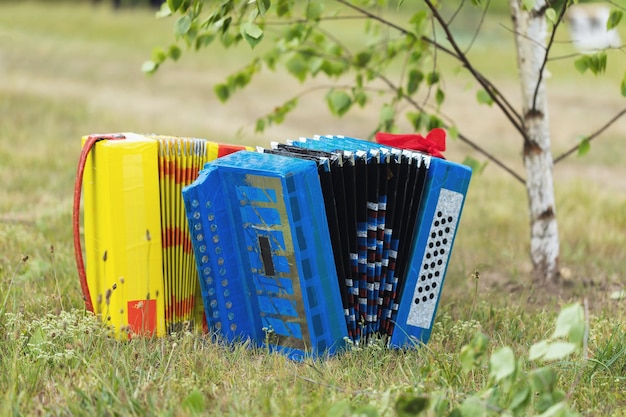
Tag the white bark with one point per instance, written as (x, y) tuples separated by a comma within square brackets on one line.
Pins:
[(531, 37)]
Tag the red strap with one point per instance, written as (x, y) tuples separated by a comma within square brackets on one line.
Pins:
[(433, 144), (78, 253)]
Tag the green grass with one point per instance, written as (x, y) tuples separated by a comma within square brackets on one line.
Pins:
[(66, 72)]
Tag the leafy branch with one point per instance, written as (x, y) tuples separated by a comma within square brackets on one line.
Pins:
[(503, 104), (310, 48)]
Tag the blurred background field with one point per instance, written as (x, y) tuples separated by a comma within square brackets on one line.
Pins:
[(73, 68)]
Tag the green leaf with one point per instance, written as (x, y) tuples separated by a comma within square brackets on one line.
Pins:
[(467, 356), (419, 20), (453, 132), (415, 78), (366, 411), (559, 350), (222, 91), (551, 14), (472, 353), (339, 409), (483, 97), (360, 97), (387, 114), (194, 403), (334, 68), (623, 86), (149, 67), (597, 62), (432, 78), (281, 111), (174, 5), (476, 166), (164, 11), (602, 59), (502, 363), (415, 120), (314, 10), (252, 33), (253, 30), (614, 18), (263, 6), (520, 400), (283, 7), (559, 410), (538, 350), (433, 122), (204, 39), (362, 59), (439, 96), (411, 405), (182, 26), (582, 64), (297, 66), (260, 126), (543, 379), (158, 55), (174, 52), (339, 102), (473, 407), (568, 317), (315, 65), (543, 402)]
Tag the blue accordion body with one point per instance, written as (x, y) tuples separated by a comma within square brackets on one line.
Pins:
[(269, 272), (263, 253)]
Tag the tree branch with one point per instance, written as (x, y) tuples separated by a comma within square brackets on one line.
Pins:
[(456, 12), (502, 103), (478, 28), (508, 110), (545, 58), (592, 136)]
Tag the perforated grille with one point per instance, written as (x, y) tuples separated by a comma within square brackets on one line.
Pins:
[(436, 255)]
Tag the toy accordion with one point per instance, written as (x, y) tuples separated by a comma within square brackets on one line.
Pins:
[(140, 274), (321, 242)]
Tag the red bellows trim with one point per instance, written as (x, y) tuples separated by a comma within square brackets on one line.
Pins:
[(78, 185), (180, 308), (433, 144), (181, 175), (173, 236)]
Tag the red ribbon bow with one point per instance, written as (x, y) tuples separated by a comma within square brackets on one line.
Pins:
[(433, 144)]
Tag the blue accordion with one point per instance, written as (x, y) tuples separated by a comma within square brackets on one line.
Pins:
[(318, 243)]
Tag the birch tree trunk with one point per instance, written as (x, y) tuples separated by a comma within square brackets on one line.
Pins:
[(530, 37)]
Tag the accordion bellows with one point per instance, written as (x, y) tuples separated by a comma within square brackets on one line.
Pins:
[(304, 251), (140, 267)]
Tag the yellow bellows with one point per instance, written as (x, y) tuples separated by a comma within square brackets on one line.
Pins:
[(140, 267)]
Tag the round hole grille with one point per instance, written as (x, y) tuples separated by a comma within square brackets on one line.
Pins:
[(435, 258)]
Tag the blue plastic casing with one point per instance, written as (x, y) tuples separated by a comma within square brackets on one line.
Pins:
[(263, 252)]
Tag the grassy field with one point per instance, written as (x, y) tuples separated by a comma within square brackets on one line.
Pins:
[(69, 71)]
